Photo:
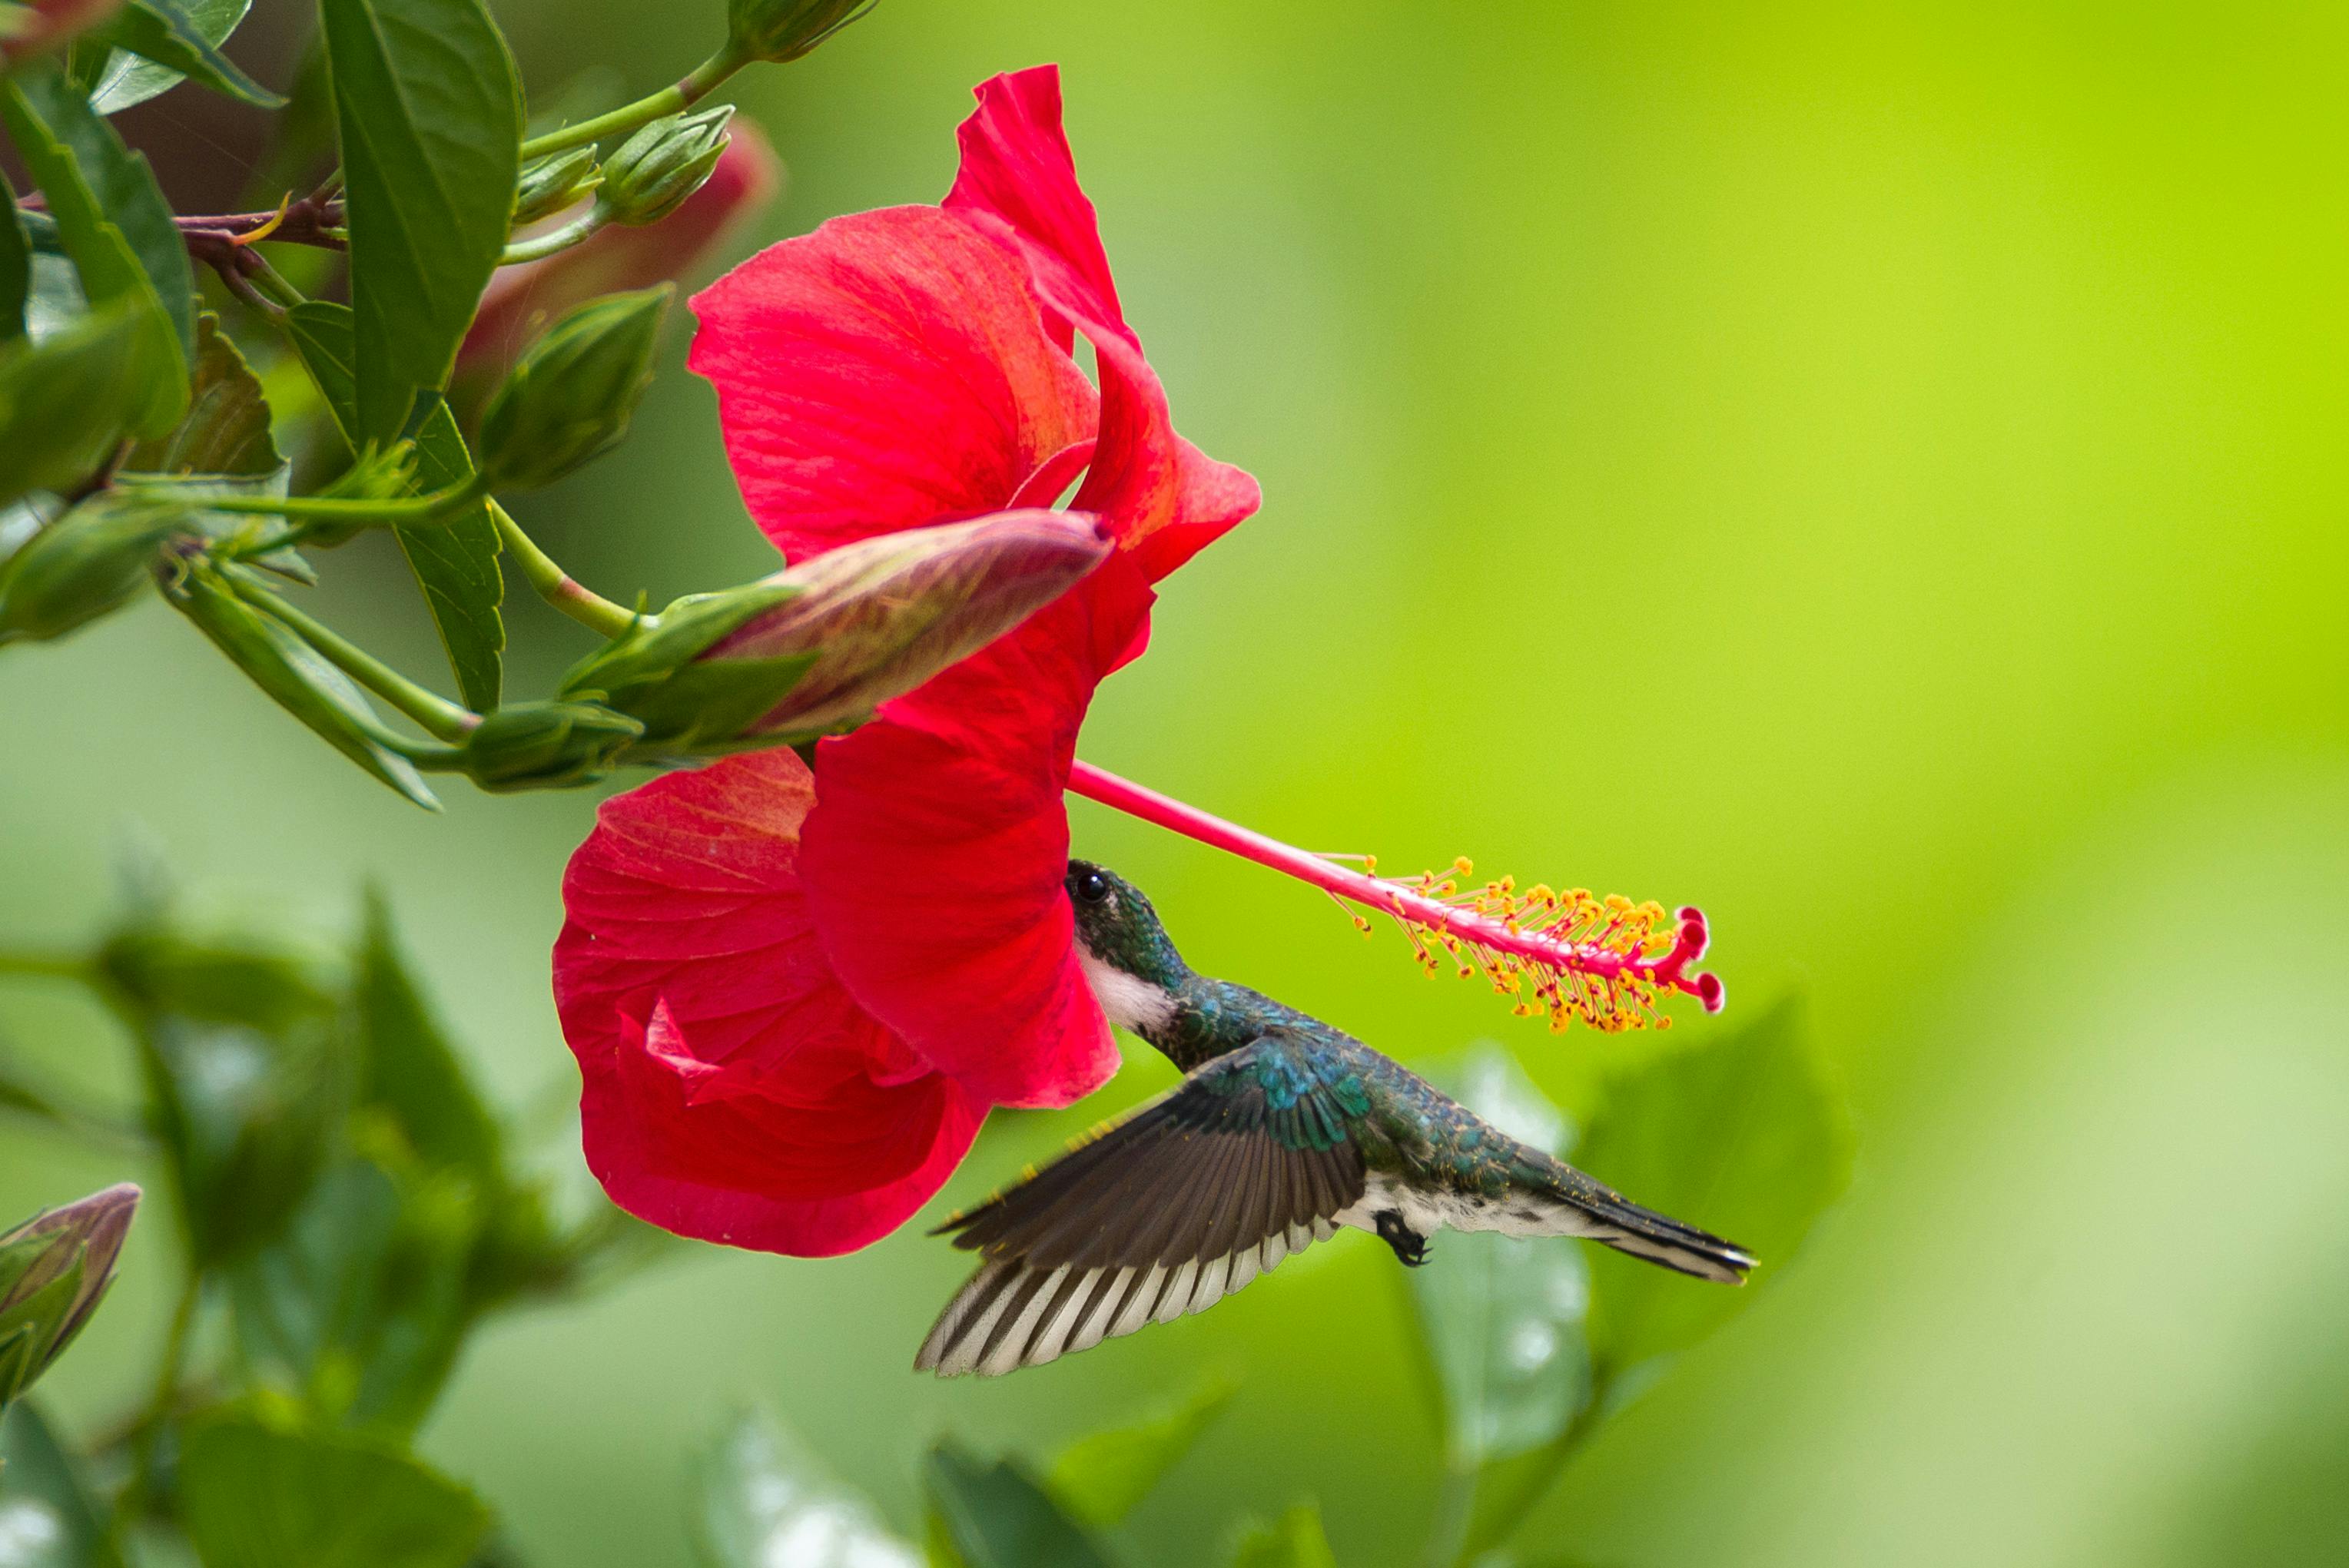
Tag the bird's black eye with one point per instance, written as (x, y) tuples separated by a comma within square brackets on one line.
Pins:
[(1092, 887)]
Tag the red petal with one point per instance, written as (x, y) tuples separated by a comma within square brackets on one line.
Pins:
[(890, 370), (1160, 494), (732, 1089), (936, 853)]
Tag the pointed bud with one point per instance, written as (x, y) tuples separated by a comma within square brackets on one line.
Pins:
[(558, 180), (92, 561), (547, 746), (573, 392), (54, 1268), (657, 168), (783, 30)]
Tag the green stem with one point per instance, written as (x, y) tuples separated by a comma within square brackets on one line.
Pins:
[(557, 586), (132, 1503), (270, 283), (555, 240), (428, 508), (644, 110), (434, 714)]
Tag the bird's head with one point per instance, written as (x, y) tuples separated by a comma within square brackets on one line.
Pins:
[(1128, 956)]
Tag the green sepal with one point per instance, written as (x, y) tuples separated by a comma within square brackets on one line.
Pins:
[(163, 33), (86, 565), (570, 396), (688, 706), (554, 182), (783, 30), (654, 170)]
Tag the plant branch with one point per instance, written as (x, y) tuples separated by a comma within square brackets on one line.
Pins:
[(553, 240), (557, 586), (434, 714), (684, 95), (428, 508)]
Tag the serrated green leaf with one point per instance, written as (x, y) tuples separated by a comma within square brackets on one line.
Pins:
[(455, 560), (226, 429), (431, 113), (1744, 1135), (112, 216), (1502, 1317), (258, 1495), (167, 37), (126, 79), (997, 1516), (15, 268), (1297, 1542), (411, 1070), (1099, 1479), (297, 676), (760, 1497), (49, 1516)]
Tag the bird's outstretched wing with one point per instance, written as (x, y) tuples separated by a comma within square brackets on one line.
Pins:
[(1167, 1211)]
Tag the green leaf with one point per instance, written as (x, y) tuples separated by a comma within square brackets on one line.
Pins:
[(226, 430), (1099, 1478), (67, 401), (112, 216), (258, 1495), (413, 1071), (1297, 1542), (296, 675), (168, 39), (1743, 1135), (49, 1517), (126, 79), (455, 559), (431, 113), (996, 1516), (15, 268), (1503, 1315), (761, 1498)]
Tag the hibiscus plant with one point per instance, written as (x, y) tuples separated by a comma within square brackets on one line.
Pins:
[(446, 296)]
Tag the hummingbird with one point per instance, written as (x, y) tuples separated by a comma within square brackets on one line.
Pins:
[(1282, 1130)]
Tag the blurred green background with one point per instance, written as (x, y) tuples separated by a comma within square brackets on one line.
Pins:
[(1877, 472)]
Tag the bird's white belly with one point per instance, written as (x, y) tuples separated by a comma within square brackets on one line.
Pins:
[(1512, 1214)]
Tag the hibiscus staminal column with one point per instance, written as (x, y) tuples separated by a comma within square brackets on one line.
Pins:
[(1564, 955)]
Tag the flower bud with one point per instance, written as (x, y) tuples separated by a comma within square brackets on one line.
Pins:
[(54, 1268), (89, 563), (818, 648), (553, 183), (547, 746), (657, 168), (31, 27), (748, 177), (573, 392), (785, 29)]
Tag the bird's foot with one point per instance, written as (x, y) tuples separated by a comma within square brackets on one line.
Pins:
[(1410, 1247)]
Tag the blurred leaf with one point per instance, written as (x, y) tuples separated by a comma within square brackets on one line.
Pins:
[(15, 268), (173, 39), (763, 1500), (431, 113), (360, 1308), (67, 401), (226, 429), (56, 301), (296, 675), (257, 1495), (88, 564), (413, 1072), (1503, 1315), (112, 218), (1744, 1135), (996, 1516), (50, 1518), (1099, 1478), (1297, 1542), (455, 559), (126, 79)]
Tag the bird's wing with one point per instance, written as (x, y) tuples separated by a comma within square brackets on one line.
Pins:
[(1164, 1212)]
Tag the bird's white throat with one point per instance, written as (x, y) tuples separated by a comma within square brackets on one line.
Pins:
[(1130, 1001)]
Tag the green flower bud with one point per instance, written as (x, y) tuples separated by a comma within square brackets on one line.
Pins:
[(661, 165), (786, 29), (547, 746), (816, 648), (92, 561), (573, 393), (54, 1268), (553, 183)]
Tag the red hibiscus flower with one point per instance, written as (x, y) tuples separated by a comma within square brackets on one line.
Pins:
[(794, 997)]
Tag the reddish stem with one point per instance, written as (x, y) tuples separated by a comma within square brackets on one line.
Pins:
[(1669, 969)]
